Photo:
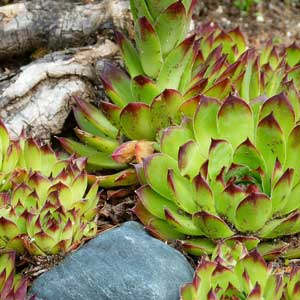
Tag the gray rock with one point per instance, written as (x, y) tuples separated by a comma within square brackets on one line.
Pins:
[(121, 264)]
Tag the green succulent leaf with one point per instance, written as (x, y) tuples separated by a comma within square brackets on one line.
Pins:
[(255, 81), (270, 250), (197, 89), (4, 137), (234, 113), (97, 119), (112, 113), (182, 191), (159, 164), (164, 109), (198, 247), (253, 212), (173, 138), (294, 74), (204, 194), (265, 53), (135, 119), (8, 229), (11, 158), (270, 141), (293, 95), (100, 143), (182, 223), (246, 84), (238, 39), (281, 227), (96, 159), (205, 122), (168, 24), (256, 268), (149, 47), (212, 226), (220, 155), (174, 65), (281, 191), (293, 55), (139, 8), (84, 124), (156, 7), (250, 242), (246, 154), (117, 84), (282, 111), (292, 147), (292, 202), (144, 89), (153, 202), (189, 107), (229, 200), (293, 284), (219, 90), (163, 230), (129, 54), (32, 155), (190, 159)]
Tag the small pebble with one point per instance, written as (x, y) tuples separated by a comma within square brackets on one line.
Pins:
[(260, 18), (219, 10)]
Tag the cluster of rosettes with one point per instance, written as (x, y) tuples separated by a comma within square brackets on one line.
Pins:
[(48, 215), (226, 119), (45, 204), (233, 273), (148, 97)]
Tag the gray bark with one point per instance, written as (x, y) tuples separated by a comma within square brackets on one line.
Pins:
[(57, 24), (39, 98)]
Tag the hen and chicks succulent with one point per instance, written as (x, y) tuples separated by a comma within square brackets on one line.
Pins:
[(148, 97), (45, 204), (233, 273), (225, 121)]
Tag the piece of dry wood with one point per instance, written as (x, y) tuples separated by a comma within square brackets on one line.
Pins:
[(55, 25), (39, 98)]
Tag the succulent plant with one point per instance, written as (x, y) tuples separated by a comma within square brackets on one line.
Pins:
[(236, 274), (48, 214), (12, 286), (22, 153), (227, 64), (45, 204), (10, 152), (160, 26), (220, 66), (99, 133), (148, 97), (152, 100), (170, 54), (230, 170)]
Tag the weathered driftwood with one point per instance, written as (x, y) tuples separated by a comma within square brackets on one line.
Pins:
[(56, 25), (40, 96)]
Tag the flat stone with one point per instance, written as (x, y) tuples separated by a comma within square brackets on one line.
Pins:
[(125, 263)]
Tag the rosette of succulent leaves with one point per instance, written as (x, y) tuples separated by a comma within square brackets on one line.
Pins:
[(232, 169), (167, 70), (234, 273), (46, 206)]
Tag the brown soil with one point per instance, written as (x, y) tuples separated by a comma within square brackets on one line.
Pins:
[(275, 19)]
